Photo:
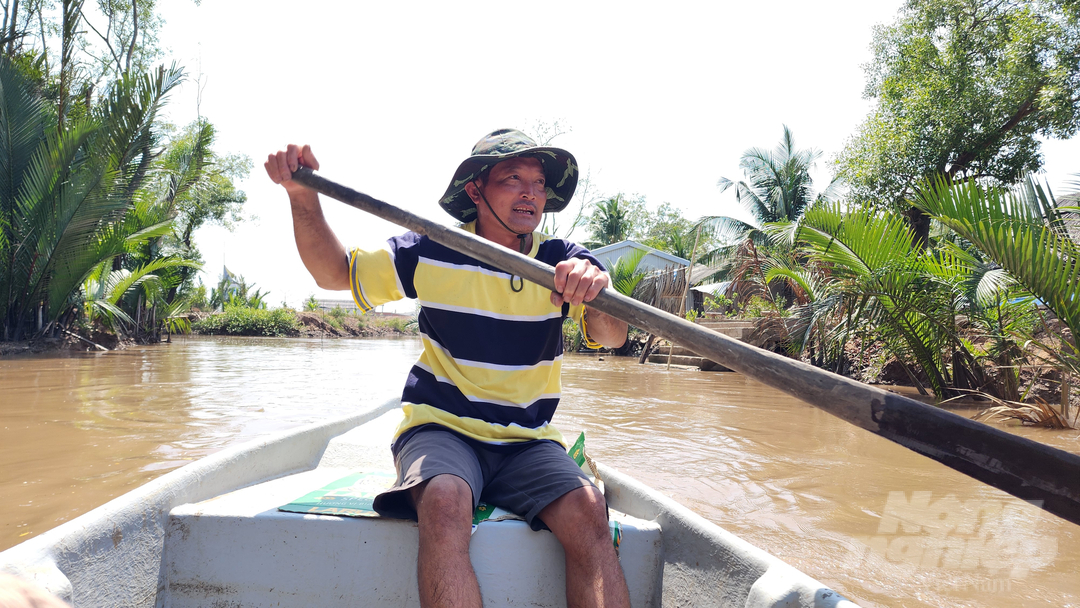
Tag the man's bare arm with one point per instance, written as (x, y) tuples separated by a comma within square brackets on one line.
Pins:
[(578, 281), (320, 250), (605, 329)]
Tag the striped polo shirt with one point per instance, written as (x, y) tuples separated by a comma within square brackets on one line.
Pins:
[(490, 368)]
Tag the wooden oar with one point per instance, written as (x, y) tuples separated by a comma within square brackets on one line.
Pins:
[(1046, 476)]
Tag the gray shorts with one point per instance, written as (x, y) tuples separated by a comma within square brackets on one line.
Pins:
[(522, 479)]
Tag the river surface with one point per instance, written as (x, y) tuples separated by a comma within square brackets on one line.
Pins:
[(865, 516)]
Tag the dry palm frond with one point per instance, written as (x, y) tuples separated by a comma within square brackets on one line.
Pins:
[(1038, 414), (664, 289)]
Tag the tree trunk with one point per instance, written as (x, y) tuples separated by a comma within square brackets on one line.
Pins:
[(919, 222), (648, 347), (11, 32), (134, 34)]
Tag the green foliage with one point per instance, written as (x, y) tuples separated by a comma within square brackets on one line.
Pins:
[(334, 321), (667, 230), (311, 304), (625, 274), (245, 321), (197, 297), (1019, 229), (174, 316), (404, 326), (103, 289), (197, 184), (692, 315), (758, 306), (1024, 232), (870, 256), (233, 290), (610, 222), (718, 302), (66, 200), (964, 89), (124, 37), (86, 180), (572, 339), (777, 187)]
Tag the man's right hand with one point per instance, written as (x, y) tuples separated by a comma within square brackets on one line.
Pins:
[(281, 164)]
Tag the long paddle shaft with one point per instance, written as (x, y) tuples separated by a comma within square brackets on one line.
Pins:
[(1038, 473)]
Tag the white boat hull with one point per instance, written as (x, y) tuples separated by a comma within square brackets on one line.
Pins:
[(118, 554)]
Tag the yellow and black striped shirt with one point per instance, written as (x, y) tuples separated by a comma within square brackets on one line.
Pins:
[(492, 356)]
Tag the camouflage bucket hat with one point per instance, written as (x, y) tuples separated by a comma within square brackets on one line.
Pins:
[(560, 171)]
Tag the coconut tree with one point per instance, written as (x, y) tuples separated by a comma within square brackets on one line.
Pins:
[(777, 187), (610, 222)]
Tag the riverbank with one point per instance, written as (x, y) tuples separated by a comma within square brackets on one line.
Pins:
[(249, 322), (284, 322), (371, 325)]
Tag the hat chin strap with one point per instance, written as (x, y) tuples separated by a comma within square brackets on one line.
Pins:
[(520, 235), (521, 241)]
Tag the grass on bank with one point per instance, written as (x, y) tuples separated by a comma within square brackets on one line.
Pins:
[(245, 321)]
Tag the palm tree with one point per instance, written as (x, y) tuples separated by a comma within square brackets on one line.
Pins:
[(777, 187), (1025, 232), (103, 289), (610, 223), (875, 275), (626, 274), (66, 190)]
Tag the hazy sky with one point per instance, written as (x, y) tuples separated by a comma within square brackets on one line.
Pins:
[(659, 100)]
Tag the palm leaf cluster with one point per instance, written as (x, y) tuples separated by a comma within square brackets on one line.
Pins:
[(1026, 234), (872, 274), (65, 190), (777, 188), (1022, 230), (959, 310), (79, 222)]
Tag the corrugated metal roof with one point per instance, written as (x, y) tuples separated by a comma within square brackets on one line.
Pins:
[(610, 251)]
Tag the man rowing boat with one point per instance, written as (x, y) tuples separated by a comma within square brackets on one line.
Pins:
[(478, 404)]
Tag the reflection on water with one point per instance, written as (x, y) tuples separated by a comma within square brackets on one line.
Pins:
[(877, 522)]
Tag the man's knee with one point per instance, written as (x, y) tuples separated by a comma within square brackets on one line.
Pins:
[(578, 517), (443, 499)]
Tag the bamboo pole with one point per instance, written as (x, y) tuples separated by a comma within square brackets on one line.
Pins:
[(686, 289), (1029, 470), (1065, 394)]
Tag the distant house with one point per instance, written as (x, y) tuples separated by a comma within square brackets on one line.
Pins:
[(665, 284), (347, 305), (654, 259)]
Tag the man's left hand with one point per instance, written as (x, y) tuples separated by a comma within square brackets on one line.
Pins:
[(577, 281)]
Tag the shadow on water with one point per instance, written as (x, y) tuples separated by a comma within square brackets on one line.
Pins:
[(875, 521)]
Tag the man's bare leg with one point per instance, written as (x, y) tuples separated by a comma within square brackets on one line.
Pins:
[(444, 571), (593, 574)]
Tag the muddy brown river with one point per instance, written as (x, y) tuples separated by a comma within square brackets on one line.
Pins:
[(880, 524)]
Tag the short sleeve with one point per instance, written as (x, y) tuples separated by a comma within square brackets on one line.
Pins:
[(374, 278)]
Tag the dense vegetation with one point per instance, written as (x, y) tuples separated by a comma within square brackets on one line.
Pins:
[(935, 247), (98, 197)]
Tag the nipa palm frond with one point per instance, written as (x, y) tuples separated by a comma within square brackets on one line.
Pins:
[(1007, 228)]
